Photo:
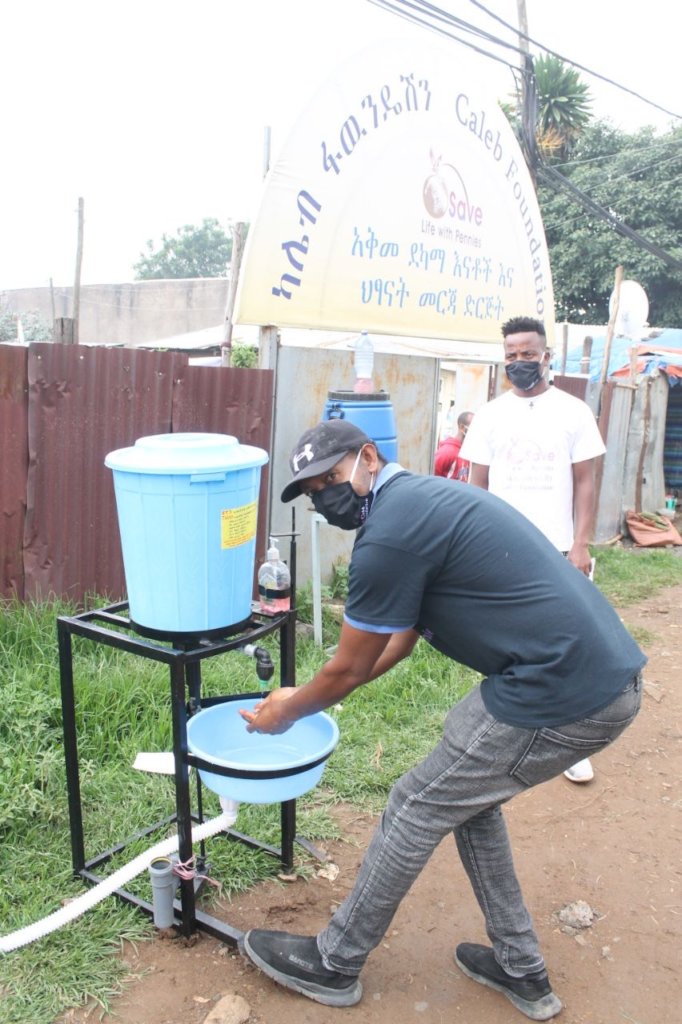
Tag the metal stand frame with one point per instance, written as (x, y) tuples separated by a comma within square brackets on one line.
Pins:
[(184, 658)]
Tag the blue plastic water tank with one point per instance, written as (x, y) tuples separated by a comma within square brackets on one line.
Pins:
[(187, 513), (372, 412)]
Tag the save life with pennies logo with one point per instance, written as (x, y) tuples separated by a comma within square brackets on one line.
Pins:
[(445, 193)]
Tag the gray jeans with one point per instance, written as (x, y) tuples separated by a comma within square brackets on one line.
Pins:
[(479, 764)]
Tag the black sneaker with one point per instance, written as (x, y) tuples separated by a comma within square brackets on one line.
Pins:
[(295, 962), (532, 994)]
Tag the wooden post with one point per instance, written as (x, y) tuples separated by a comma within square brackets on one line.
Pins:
[(238, 240), (633, 352), (77, 280), (564, 347), (612, 325), (63, 331), (587, 354), (266, 150), (268, 347)]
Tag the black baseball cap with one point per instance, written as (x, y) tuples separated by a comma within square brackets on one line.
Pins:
[(319, 449)]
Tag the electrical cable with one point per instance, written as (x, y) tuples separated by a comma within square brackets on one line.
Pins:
[(392, 8), (625, 151), (552, 177), (439, 14), (548, 174), (643, 186), (556, 223), (573, 63)]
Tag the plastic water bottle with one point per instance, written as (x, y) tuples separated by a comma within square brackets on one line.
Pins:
[(364, 364), (274, 583)]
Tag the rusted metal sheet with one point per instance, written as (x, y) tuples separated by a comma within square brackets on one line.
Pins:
[(13, 464), (580, 387), (644, 484), (614, 424), (227, 400), (83, 403), (62, 409), (304, 378), (576, 386), (632, 422)]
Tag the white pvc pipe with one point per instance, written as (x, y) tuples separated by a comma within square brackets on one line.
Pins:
[(315, 522), (99, 892)]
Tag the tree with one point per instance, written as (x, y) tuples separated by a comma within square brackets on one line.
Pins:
[(636, 177), (632, 176), (244, 357), (203, 251), (32, 324), (563, 106), (562, 110)]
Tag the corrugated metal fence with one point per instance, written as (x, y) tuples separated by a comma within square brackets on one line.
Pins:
[(62, 409), (632, 421)]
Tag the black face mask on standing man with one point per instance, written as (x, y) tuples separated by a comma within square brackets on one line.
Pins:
[(524, 374)]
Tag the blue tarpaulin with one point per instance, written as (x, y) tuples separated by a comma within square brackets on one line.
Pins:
[(619, 357)]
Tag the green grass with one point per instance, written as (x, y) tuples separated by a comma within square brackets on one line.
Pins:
[(644, 637), (628, 575), (122, 708)]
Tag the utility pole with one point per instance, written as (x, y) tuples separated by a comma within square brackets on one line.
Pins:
[(523, 24), (528, 93)]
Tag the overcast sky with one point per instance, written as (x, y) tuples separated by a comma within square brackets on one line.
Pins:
[(154, 111)]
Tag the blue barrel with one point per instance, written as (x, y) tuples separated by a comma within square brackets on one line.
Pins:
[(187, 512), (372, 412)]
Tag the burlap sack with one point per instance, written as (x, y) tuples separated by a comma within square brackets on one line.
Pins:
[(651, 529)]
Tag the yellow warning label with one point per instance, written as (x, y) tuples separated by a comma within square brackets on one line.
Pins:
[(237, 525)]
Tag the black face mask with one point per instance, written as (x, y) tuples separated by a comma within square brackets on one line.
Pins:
[(341, 506), (524, 374)]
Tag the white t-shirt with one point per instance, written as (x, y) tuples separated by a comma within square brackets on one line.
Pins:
[(530, 445)]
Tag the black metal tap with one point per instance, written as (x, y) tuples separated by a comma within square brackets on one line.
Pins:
[(264, 666)]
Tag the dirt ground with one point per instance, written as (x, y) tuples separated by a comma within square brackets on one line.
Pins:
[(614, 843)]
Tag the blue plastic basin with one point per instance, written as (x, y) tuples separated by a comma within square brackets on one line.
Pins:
[(218, 734)]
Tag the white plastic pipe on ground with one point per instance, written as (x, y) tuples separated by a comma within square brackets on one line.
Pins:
[(51, 923)]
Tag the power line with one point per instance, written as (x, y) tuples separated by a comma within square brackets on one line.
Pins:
[(403, 8), (552, 177), (548, 174), (653, 143), (573, 63), (604, 184), (555, 222), (633, 171), (397, 8)]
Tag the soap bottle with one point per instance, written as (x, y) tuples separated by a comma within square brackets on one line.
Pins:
[(274, 583), (364, 364)]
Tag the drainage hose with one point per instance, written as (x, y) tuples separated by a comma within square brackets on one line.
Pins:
[(99, 892)]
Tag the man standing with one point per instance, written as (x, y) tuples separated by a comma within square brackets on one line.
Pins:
[(462, 569), (448, 462), (536, 446)]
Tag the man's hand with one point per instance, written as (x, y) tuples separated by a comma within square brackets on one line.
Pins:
[(583, 513), (580, 557), (269, 715), (360, 656)]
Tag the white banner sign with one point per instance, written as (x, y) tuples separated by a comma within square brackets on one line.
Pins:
[(401, 204)]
